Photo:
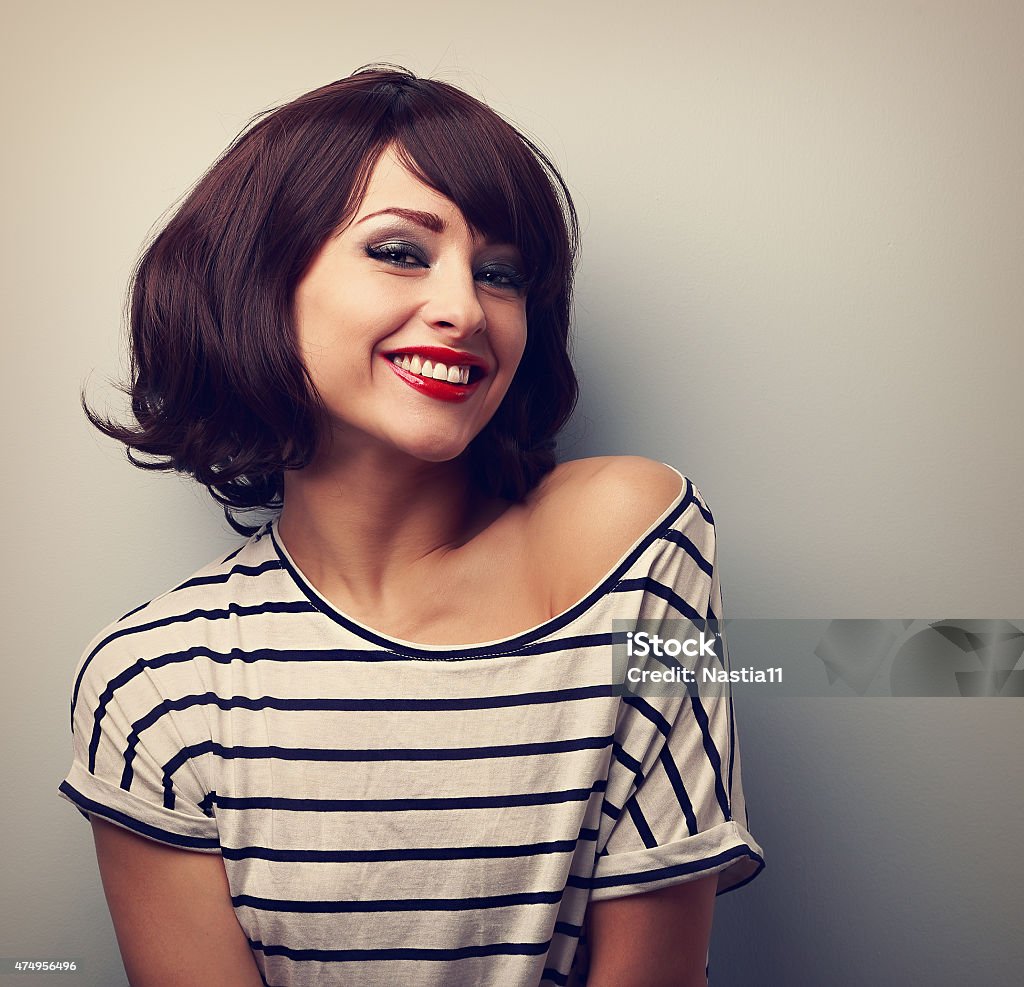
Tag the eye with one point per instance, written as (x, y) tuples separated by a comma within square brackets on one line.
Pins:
[(503, 276), (397, 253)]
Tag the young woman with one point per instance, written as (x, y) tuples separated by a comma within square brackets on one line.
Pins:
[(387, 721)]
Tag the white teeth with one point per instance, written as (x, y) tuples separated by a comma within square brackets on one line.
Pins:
[(427, 368)]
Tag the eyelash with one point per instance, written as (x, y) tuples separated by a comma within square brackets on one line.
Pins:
[(391, 253)]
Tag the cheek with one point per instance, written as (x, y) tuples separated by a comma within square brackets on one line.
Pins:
[(510, 357), (312, 320), (512, 332), (318, 351), (332, 331)]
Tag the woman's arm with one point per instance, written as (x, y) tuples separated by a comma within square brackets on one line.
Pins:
[(658, 939), (172, 913)]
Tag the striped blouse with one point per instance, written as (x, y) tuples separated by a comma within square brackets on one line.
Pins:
[(398, 813)]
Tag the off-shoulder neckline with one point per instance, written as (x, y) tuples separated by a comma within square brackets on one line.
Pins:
[(505, 645)]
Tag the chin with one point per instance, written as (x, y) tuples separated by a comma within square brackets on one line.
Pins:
[(436, 452), (432, 444)]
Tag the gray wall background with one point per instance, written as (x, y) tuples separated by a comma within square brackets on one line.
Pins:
[(800, 284)]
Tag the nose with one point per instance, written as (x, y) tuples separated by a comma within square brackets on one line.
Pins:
[(453, 306)]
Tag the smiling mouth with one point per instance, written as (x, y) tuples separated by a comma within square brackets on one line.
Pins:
[(434, 379), (459, 374)]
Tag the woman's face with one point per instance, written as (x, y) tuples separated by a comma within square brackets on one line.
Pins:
[(404, 295)]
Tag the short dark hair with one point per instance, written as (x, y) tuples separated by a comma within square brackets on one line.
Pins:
[(217, 384)]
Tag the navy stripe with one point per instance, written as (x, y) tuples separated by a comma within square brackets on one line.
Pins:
[(628, 761), (271, 565), (97, 808), (509, 644), (408, 853), (701, 716), (651, 585), (704, 511), (326, 705), (273, 654), (328, 654), (566, 929), (134, 610), (227, 802), (688, 546), (747, 880), (555, 976), (398, 904), (675, 870), (675, 779), (232, 610), (375, 754), (390, 753), (647, 710), (640, 824), (404, 952)]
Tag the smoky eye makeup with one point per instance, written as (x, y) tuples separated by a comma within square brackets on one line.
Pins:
[(395, 242), (394, 246), (505, 276), (398, 252), (404, 255)]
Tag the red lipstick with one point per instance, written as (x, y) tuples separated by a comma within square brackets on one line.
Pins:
[(440, 390), (441, 354)]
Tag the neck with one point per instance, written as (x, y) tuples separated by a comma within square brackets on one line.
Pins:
[(365, 521)]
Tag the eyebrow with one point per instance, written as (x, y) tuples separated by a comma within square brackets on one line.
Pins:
[(430, 220)]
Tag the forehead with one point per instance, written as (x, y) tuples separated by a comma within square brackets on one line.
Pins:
[(392, 185)]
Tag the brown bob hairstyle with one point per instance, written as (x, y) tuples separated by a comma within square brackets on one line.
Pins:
[(217, 386)]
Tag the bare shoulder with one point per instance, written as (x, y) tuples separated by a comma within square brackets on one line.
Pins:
[(615, 489), (587, 513)]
